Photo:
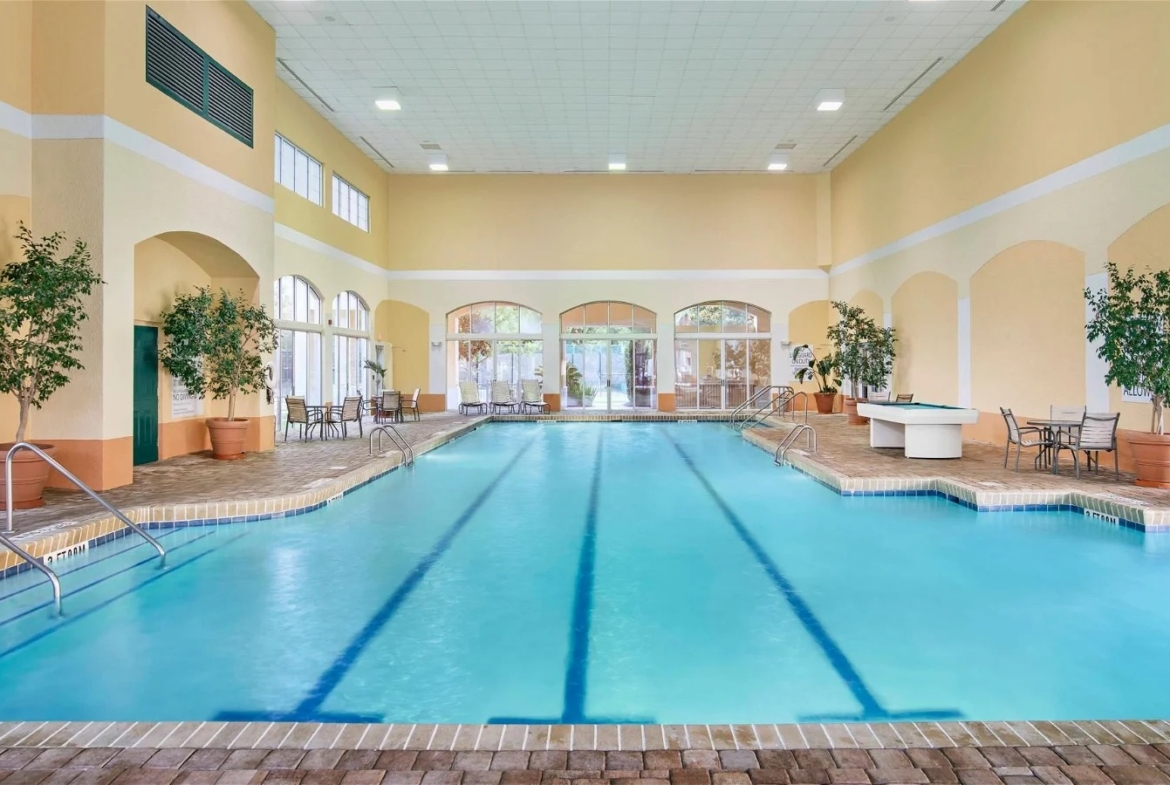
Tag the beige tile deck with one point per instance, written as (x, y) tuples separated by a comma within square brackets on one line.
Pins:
[(845, 461)]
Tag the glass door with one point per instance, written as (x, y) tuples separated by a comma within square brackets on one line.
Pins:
[(609, 375), (735, 372)]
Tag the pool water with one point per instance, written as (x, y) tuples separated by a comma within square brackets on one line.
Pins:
[(581, 572)]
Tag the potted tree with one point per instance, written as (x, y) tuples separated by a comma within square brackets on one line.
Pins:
[(865, 354), (216, 344), (818, 370), (41, 311), (378, 371), (1131, 320)]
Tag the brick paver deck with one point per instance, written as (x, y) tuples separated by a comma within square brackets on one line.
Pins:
[(216, 754)]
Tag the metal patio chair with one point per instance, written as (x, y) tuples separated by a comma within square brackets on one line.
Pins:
[(905, 398), (531, 398), (297, 413), (1097, 434), (469, 398), (351, 411), (502, 397), (1029, 436), (411, 405)]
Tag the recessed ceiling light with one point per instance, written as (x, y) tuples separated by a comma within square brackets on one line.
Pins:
[(437, 161), (388, 104), (830, 100), (617, 163), (777, 162)]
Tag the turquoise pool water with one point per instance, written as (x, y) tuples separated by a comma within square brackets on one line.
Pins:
[(579, 572)]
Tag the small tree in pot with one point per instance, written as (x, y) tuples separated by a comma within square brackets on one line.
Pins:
[(41, 311), (818, 370), (216, 344), (848, 336), (1131, 320), (878, 354)]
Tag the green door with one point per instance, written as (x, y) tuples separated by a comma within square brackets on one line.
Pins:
[(145, 394)]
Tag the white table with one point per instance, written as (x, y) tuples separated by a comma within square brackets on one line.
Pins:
[(921, 430)]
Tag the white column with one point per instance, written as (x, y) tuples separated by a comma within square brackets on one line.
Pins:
[(781, 353), (437, 359), (1096, 390), (551, 357), (664, 355), (965, 352)]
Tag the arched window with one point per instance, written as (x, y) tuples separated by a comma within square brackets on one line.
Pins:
[(296, 300), (729, 363), (493, 341), (351, 346), (297, 310), (608, 358), (350, 312)]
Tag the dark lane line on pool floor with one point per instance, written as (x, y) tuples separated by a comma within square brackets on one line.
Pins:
[(310, 708), (580, 625), (871, 708)]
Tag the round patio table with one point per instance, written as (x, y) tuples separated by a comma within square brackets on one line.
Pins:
[(1056, 428)]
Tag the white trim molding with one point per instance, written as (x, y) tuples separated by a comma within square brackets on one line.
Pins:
[(606, 275), (965, 352), (67, 126), (1127, 152)]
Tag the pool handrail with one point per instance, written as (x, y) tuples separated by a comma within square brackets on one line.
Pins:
[(790, 439), (770, 403), (36, 563), (397, 438), (68, 475)]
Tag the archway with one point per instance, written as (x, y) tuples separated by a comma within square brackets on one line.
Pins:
[(167, 420), (608, 357), (722, 354), (490, 342), (925, 312)]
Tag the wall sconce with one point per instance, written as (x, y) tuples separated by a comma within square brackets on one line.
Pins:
[(436, 345)]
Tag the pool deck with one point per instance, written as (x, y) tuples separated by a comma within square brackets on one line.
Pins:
[(845, 461), (973, 753)]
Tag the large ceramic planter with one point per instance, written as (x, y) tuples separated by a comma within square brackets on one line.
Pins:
[(825, 402), (1151, 459), (851, 412), (29, 475), (227, 437)]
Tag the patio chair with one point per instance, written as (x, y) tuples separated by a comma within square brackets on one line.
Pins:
[(1076, 413), (351, 411), (502, 396), (411, 405), (1097, 432), (1029, 436), (877, 397), (531, 398), (296, 413), (469, 398), (391, 406), (905, 398)]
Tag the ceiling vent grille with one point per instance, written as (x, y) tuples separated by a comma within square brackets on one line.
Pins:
[(179, 68)]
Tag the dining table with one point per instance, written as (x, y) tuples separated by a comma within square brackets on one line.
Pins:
[(325, 418), (1054, 429)]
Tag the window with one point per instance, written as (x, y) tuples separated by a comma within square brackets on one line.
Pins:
[(297, 171), (296, 301), (179, 68), (608, 357), (349, 366), (350, 204), (350, 312), (723, 370), (609, 317), (507, 346)]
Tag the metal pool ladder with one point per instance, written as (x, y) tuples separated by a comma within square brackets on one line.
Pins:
[(790, 439), (68, 475), (752, 411), (397, 438)]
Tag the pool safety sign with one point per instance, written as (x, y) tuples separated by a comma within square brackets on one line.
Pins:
[(183, 403)]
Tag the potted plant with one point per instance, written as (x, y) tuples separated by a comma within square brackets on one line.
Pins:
[(865, 354), (379, 373), (216, 344), (41, 311), (818, 370), (1131, 322)]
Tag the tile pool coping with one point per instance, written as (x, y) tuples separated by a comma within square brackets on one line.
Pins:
[(62, 537), (615, 738), (1096, 505)]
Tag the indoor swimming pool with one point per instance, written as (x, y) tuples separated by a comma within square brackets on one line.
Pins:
[(595, 573)]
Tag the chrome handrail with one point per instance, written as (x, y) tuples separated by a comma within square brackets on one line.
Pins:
[(28, 557), (772, 404), (790, 439), (753, 398), (397, 438), (804, 395), (68, 475)]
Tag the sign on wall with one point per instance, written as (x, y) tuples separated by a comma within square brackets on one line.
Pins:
[(1135, 395), (801, 357), (183, 403)]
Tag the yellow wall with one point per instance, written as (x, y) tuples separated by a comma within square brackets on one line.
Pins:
[(16, 53), (68, 57), (405, 327), (603, 222), (303, 126), (1057, 82), (808, 325), (926, 320)]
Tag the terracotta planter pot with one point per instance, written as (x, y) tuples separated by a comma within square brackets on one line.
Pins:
[(29, 475), (851, 411), (1151, 459), (825, 402), (227, 437)]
